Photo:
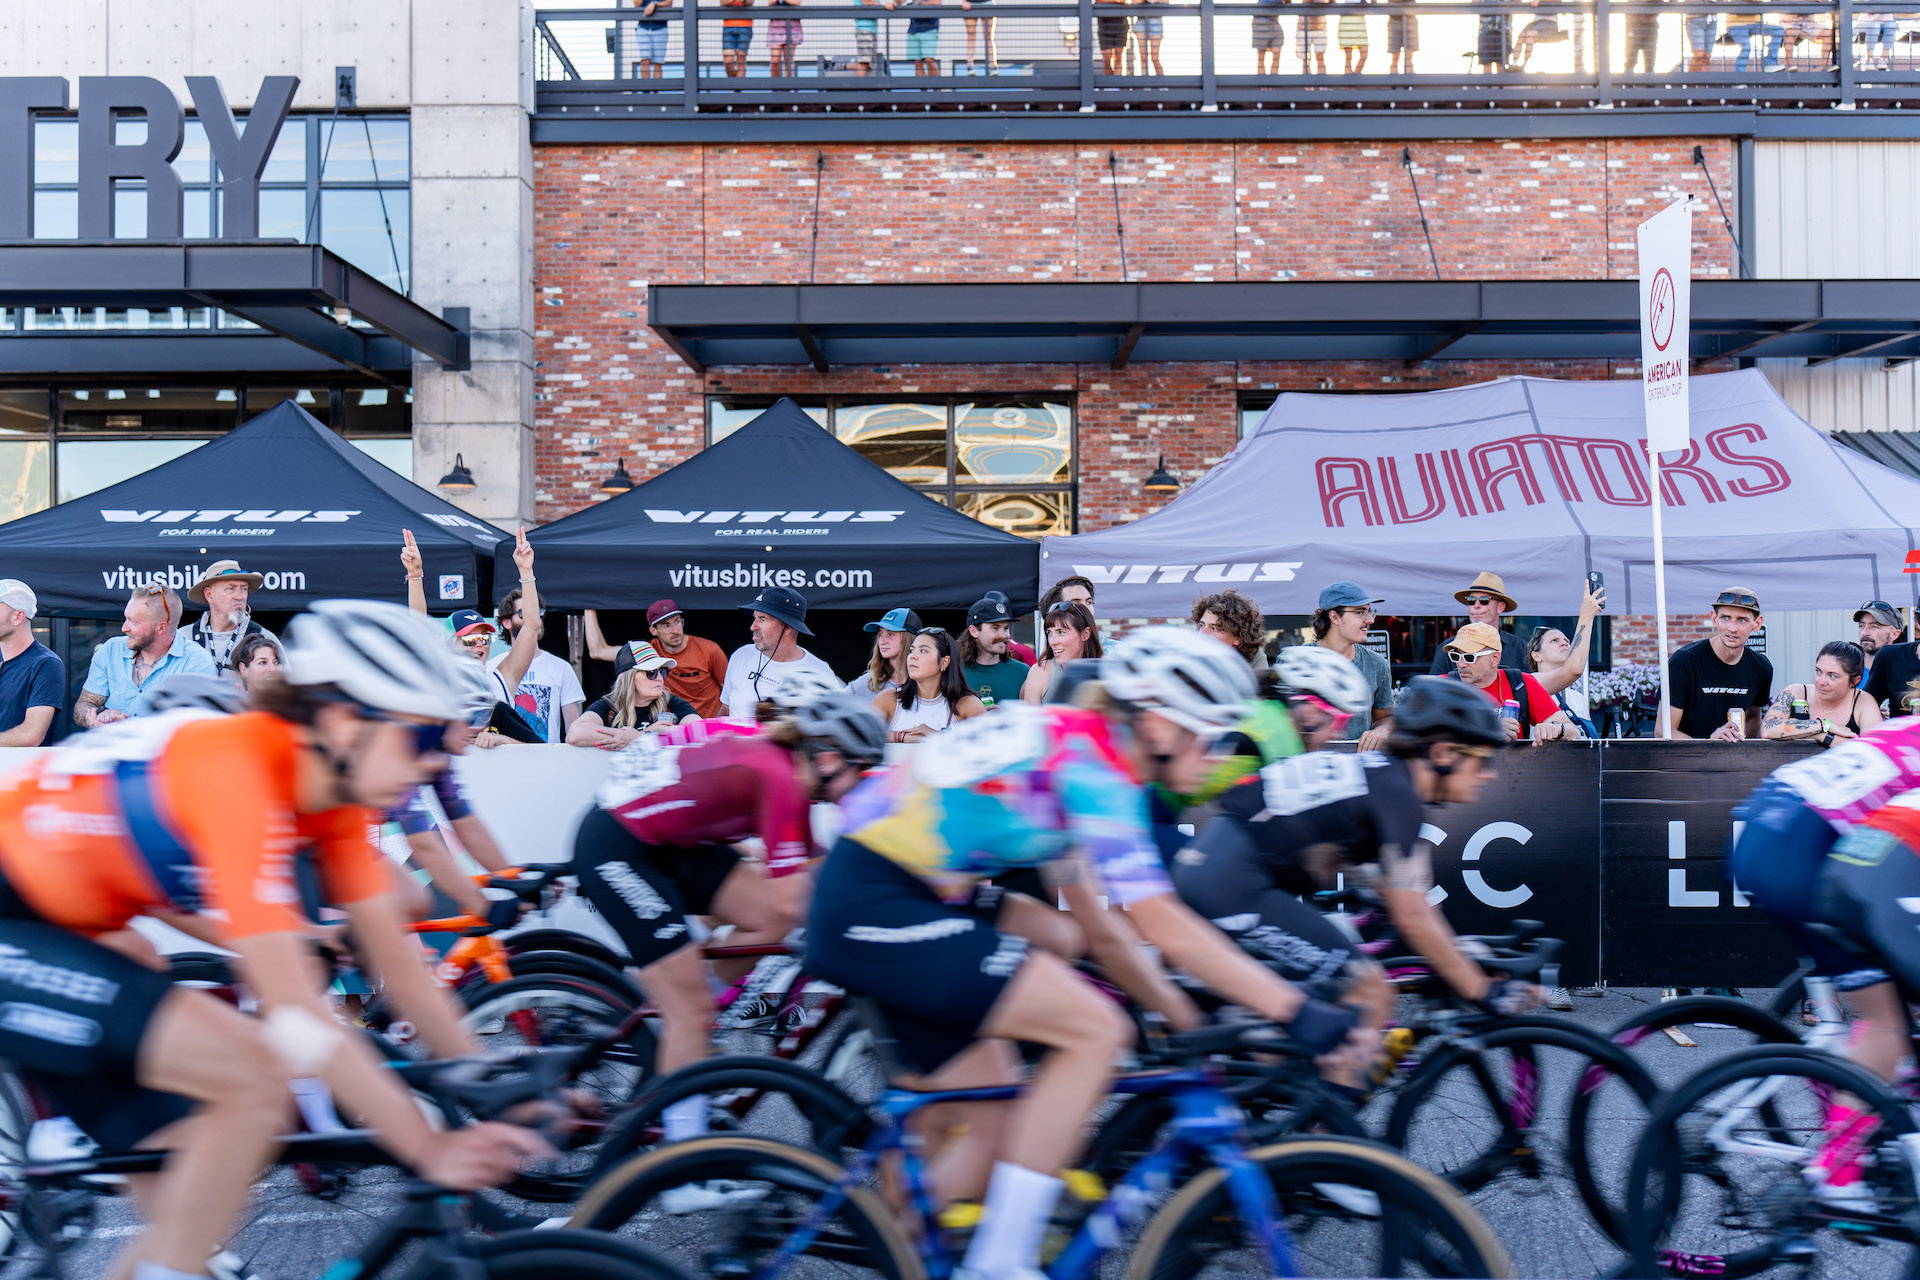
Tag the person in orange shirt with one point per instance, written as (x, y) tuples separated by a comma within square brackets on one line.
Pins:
[(700, 665), (197, 819)]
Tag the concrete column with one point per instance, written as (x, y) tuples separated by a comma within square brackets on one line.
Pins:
[(473, 245)]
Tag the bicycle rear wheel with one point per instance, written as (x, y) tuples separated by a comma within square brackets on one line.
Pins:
[(573, 1255), (1347, 1208)]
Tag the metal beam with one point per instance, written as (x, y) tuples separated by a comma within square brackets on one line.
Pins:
[(1433, 349), (315, 332), (227, 355), (815, 356), (1864, 348), (1780, 331), (1128, 341)]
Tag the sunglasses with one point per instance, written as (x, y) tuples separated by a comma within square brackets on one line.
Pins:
[(1364, 610), (1325, 708), (1739, 600), (1060, 606), (1473, 750), (931, 631), (1878, 606), (151, 589), (425, 739), (1477, 599), (1460, 659)]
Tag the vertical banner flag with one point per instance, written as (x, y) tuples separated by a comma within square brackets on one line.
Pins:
[(1666, 317)]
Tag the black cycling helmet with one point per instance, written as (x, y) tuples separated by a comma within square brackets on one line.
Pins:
[(1436, 709)]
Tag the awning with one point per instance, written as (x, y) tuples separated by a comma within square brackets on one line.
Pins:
[(1405, 320), (319, 311), (1899, 450)]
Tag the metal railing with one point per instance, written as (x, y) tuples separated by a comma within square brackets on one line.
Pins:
[(1209, 55)]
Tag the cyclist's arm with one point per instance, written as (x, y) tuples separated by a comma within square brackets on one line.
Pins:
[(1189, 943), (1115, 947), (430, 853), (1406, 877), (479, 843), (383, 945)]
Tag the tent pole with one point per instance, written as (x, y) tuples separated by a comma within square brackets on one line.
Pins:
[(1665, 726)]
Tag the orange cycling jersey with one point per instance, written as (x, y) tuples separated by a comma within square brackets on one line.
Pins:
[(184, 812)]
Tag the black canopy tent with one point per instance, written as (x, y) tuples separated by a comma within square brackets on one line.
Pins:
[(778, 503), (281, 494)]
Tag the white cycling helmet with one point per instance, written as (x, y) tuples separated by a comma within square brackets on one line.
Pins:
[(198, 693), (383, 656), (1315, 669), (1193, 680), (802, 688), (474, 686)]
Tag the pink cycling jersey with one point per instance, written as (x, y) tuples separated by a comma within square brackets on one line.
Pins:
[(692, 733), (1850, 782), (723, 790)]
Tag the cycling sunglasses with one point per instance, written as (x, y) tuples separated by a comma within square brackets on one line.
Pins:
[(1738, 599), (1460, 659), (425, 739), (1325, 708)]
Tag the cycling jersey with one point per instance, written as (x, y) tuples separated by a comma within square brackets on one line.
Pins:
[(1023, 786), (414, 817), (723, 790), (184, 811), (691, 733), (1847, 784), (1265, 734)]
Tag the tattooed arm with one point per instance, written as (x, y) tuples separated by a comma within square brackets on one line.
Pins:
[(1778, 721)]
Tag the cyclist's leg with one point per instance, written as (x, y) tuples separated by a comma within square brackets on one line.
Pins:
[(1880, 1033), (963, 1139), (1048, 928)]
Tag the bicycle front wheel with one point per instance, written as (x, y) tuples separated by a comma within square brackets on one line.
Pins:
[(573, 1255), (1347, 1207)]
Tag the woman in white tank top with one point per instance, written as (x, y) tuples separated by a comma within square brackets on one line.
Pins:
[(935, 695)]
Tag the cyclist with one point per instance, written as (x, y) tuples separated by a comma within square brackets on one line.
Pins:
[(1287, 832), (659, 848), (894, 916), (197, 819)]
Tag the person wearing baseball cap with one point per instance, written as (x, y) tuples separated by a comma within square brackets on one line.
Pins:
[(1527, 709), (699, 667), (1881, 627), (756, 669), (1894, 666), (33, 680), (1717, 687), (1341, 619), (638, 703), (986, 664), (886, 669), (224, 589)]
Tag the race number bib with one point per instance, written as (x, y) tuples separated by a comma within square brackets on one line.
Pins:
[(1014, 736), (1300, 783), (639, 770), (1843, 776)]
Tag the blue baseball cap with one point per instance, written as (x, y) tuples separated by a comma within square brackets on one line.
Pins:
[(1345, 595), (466, 620), (896, 620)]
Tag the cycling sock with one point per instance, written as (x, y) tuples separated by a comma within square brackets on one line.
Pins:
[(315, 1101), (1019, 1204), (684, 1119), (154, 1271), (1848, 1132)]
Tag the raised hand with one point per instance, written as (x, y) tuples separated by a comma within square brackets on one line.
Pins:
[(409, 553)]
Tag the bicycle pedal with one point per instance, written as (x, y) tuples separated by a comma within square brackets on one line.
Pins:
[(962, 1215), (1084, 1184)]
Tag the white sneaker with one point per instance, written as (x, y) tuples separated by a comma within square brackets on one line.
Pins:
[(1558, 998), (1012, 1273), (1358, 1201), (700, 1197), (226, 1266), (1855, 1197)]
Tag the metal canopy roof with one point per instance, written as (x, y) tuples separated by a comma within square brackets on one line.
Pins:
[(319, 311), (1897, 449), (1404, 320)]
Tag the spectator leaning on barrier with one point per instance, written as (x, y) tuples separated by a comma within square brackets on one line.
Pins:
[(923, 40), (887, 667), (934, 696), (548, 696), (1403, 41), (1269, 40), (866, 39), (257, 658), (985, 663), (736, 38), (1230, 617), (223, 589), (783, 37), (700, 666), (1486, 599), (33, 680), (758, 668), (129, 667), (1071, 634), (1710, 679), (1830, 708), (637, 703), (1341, 618), (1527, 709), (650, 40), (1880, 628)]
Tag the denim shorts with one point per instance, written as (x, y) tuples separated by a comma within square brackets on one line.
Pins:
[(740, 38), (650, 44), (1150, 28)]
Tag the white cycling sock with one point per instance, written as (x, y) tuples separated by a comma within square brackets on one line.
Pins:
[(315, 1101), (684, 1119), (1019, 1204), (154, 1271)]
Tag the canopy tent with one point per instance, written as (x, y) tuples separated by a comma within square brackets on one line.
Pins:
[(1537, 480), (281, 494), (780, 502)]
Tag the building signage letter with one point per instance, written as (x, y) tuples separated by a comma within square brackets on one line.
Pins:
[(103, 160), (242, 156)]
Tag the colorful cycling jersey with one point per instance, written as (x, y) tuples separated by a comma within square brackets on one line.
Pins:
[(1313, 815), (726, 789), (414, 817), (1023, 786), (1848, 783), (1265, 734), (184, 811), (691, 733)]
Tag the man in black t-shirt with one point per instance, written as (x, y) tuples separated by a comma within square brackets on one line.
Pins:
[(1893, 666), (1710, 678)]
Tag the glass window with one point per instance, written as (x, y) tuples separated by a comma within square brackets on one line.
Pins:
[(382, 410), (347, 156), (370, 230), (129, 210), (23, 412), (56, 215), (194, 164), (397, 454), (1013, 443), (287, 162), (26, 483), (56, 152), (1031, 515), (283, 215), (909, 440), (315, 400), (724, 417), (1253, 410), (145, 410), (87, 466)]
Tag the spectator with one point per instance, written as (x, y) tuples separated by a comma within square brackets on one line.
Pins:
[(934, 696), (887, 667), (1341, 619), (128, 667), (700, 665), (650, 40), (1703, 32), (1880, 628), (1022, 652), (756, 670), (1231, 617), (783, 37), (1071, 635), (736, 38), (1558, 662), (257, 658), (1742, 34), (1643, 33), (1269, 41), (1490, 49), (33, 680), (1895, 677), (472, 635), (548, 696), (1709, 680), (986, 45), (1403, 41), (1538, 31), (1814, 712), (1072, 587), (1112, 33), (986, 664), (1148, 32), (1486, 599), (1475, 654), (1312, 44), (923, 41), (1877, 29), (223, 590), (638, 702), (866, 39), (1351, 32)]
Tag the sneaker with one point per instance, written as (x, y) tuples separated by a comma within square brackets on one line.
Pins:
[(1591, 993), (1011, 1273), (1358, 1201), (1854, 1197), (700, 1197), (1559, 999), (226, 1266)]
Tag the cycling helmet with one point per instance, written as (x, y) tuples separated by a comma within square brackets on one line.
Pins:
[(380, 655), (842, 722), (802, 688), (1435, 709), (1074, 676), (474, 686), (1193, 680), (1317, 670), (202, 693)]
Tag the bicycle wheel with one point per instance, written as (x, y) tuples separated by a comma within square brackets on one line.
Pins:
[(1347, 1207), (574, 965), (1275, 1108), (1491, 1114), (567, 1255), (1718, 1183), (767, 1097), (849, 1059), (734, 1206), (551, 939)]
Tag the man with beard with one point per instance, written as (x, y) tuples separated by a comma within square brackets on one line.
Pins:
[(989, 669), (1892, 667), (129, 667), (1880, 629)]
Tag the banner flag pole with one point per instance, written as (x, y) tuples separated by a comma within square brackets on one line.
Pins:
[(1665, 242)]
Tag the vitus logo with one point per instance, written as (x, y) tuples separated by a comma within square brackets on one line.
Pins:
[(772, 517), (1227, 571), (262, 515)]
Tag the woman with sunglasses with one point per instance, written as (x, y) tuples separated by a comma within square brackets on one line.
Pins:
[(198, 820), (935, 695), (1072, 635)]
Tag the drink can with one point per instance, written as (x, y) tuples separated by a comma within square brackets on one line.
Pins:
[(1510, 709), (1799, 708), (1737, 717)]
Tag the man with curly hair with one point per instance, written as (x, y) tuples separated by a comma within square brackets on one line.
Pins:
[(1231, 617)]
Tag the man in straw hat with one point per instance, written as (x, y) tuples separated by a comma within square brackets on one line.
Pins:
[(223, 589), (1486, 599)]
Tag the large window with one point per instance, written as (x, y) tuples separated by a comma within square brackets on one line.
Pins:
[(1004, 460)]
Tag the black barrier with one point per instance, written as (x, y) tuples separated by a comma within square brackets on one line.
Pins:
[(1620, 847)]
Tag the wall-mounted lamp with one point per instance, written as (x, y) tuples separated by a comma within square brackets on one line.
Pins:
[(619, 482), (1161, 482), (458, 480)]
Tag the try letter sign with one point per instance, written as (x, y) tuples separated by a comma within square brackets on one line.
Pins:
[(1666, 279)]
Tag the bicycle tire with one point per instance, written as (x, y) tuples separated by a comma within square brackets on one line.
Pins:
[(568, 1254), (1126, 1136), (862, 1225), (849, 1058), (573, 965), (1667, 1147), (1170, 1245), (209, 967), (552, 939), (1785, 1001)]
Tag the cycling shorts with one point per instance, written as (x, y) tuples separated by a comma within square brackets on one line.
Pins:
[(934, 968), (1778, 862), (1224, 881), (647, 892), (1866, 890)]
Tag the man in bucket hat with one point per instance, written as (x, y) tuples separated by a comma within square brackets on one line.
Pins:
[(755, 671), (1486, 599), (224, 590)]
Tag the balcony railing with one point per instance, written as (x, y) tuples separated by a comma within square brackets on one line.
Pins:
[(1207, 55)]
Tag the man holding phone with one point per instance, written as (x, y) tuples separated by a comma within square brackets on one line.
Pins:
[(1487, 600)]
